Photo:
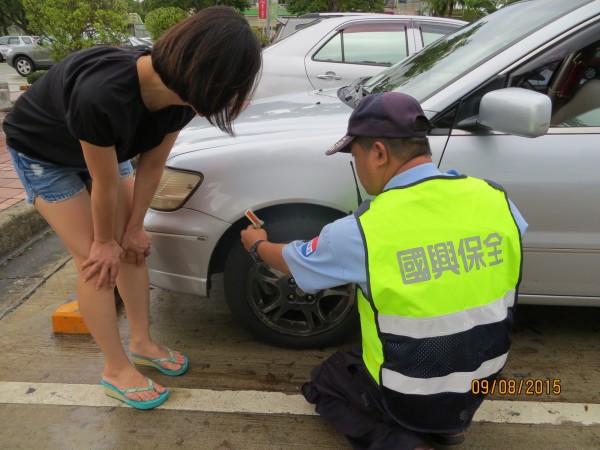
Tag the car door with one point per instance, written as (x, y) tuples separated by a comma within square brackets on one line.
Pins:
[(40, 53), (553, 179), (358, 49)]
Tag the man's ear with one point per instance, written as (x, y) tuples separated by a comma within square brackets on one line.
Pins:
[(380, 153)]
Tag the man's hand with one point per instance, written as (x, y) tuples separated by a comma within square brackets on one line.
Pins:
[(250, 235), (104, 258), (271, 253)]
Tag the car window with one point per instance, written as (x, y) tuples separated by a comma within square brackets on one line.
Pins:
[(587, 119), (376, 44), (13, 41), (3, 40), (458, 53), (432, 32), (569, 74), (295, 24), (27, 40)]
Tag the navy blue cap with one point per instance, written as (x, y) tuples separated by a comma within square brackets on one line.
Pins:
[(384, 115)]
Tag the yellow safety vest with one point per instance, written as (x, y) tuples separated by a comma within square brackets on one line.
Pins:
[(443, 266)]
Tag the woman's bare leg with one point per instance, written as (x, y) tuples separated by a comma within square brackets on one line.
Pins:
[(72, 221), (134, 289)]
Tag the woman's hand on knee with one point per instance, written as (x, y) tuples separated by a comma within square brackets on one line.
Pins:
[(104, 260), (136, 245)]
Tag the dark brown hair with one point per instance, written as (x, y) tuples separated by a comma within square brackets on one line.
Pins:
[(210, 60)]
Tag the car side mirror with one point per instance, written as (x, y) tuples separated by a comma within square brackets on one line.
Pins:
[(517, 111)]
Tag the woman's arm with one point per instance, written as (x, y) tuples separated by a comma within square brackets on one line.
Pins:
[(105, 253), (148, 173)]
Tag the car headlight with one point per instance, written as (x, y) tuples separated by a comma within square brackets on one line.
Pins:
[(175, 187)]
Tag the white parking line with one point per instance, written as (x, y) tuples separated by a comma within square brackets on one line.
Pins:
[(259, 402)]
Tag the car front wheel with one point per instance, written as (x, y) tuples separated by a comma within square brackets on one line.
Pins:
[(23, 65), (271, 306)]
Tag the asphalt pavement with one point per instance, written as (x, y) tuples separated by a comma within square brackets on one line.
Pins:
[(242, 394)]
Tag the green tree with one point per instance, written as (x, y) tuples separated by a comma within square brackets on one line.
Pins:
[(194, 6), (307, 6), (76, 24), (161, 19), (472, 9), (13, 13), (134, 6), (476, 9), (441, 8)]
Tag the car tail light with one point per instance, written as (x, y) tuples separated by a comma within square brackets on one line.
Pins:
[(174, 188)]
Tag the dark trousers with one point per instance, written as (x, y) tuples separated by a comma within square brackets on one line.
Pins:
[(345, 396)]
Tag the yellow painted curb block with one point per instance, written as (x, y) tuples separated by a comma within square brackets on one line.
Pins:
[(67, 320)]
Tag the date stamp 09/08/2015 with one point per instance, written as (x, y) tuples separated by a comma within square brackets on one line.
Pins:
[(513, 386)]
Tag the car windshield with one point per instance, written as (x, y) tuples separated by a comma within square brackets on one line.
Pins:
[(460, 52)]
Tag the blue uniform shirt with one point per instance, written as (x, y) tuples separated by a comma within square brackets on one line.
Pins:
[(337, 255)]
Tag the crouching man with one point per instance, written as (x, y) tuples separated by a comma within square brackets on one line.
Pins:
[(437, 260)]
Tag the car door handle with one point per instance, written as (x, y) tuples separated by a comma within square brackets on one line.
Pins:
[(329, 76)]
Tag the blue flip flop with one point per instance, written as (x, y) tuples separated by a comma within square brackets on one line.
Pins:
[(142, 360), (119, 394)]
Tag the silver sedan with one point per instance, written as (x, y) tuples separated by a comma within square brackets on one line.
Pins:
[(514, 98)]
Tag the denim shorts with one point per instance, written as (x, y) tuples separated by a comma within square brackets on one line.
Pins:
[(54, 182)]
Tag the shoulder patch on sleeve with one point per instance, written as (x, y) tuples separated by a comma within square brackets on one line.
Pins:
[(309, 247)]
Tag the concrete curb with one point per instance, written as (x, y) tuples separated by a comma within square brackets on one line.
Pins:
[(5, 100), (19, 224)]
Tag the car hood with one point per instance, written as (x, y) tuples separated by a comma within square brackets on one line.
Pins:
[(291, 116)]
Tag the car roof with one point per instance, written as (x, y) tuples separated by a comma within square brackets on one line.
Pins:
[(18, 35), (336, 18), (338, 21)]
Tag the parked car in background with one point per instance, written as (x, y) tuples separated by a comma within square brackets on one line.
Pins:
[(330, 52), (292, 24), (134, 41), (514, 98), (6, 42), (146, 40), (29, 58)]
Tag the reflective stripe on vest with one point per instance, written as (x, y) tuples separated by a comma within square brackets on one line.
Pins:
[(448, 324), (455, 382)]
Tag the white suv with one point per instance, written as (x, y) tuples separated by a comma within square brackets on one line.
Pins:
[(335, 51)]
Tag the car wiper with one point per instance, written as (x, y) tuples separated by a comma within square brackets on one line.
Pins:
[(353, 93)]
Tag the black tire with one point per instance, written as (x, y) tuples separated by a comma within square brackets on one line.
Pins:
[(23, 65), (273, 308)]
